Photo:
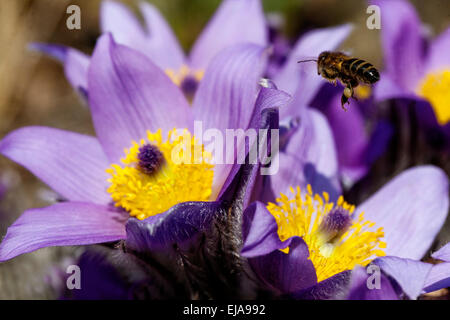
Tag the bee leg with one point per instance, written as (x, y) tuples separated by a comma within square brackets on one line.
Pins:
[(344, 100), (347, 94)]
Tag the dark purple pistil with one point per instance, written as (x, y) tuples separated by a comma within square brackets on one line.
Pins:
[(150, 159), (336, 222), (189, 85)]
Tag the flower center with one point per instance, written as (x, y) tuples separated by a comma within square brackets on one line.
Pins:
[(186, 79), (435, 87), (157, 174), (336, 241)]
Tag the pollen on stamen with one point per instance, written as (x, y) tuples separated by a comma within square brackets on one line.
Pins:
[(337, 241)]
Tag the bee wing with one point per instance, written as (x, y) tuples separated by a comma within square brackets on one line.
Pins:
[(348, 52)]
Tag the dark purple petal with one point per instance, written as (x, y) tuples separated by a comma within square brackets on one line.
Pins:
[(409, 274), (265, 117), (62, 224), (402, 42), (180, 224), (334, 287), (411, 208), (233, 23), (443, 253), (286, 273), (438, 278), (129, 95), (163, 46), (303, 77), (72, 164), (260, 232), (117, 19), (438, 58), (75, 63), (100, 279), (359, 289), (226, 96)]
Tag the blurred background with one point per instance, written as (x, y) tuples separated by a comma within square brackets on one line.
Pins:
[(33, 89)]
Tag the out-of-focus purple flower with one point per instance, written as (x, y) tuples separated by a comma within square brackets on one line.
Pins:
[(414, 68), (234, 22), (128, 96), (326, 241)]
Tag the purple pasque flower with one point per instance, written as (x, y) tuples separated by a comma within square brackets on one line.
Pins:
[(327, 240), (234, 22), (414, 69), (129, 96)]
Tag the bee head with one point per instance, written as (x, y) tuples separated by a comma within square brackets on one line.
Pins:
[(321, 60)]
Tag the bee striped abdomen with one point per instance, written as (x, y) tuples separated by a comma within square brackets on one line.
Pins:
[(363, 70)]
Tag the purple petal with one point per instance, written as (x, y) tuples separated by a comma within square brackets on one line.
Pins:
[(314, 143), (70, 163), (360, 291), (438, 57), (411, 208), (350, 137), (75, 63), (164, 49), (331, 288), (409, 274), (402, 42), (260, 231), (234, 22), (438, 278), (294, 172), (265, 117), (286, 273), (310, 157), (226, 96), (443, 253), (117, 19), (128, 95), (303, 77), (387, 88), (180, 224), (62, 224)]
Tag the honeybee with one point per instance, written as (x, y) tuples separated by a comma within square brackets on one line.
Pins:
[(350, 71)]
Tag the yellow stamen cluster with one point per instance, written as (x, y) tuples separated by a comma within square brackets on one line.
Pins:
[(302, 215), (185, 175), (436, 89), (177, 76)]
